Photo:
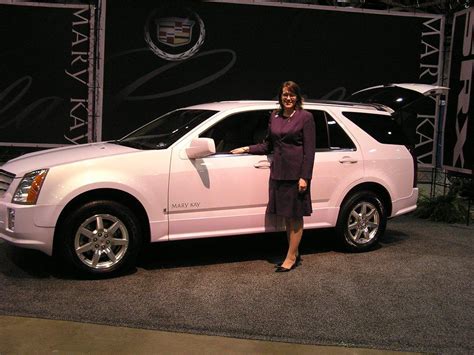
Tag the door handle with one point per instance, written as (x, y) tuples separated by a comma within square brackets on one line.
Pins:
[(347, 160), (262, 164)]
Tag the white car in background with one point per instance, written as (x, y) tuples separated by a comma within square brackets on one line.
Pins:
[(96, 205)]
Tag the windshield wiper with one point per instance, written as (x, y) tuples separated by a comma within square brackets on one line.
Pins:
[(134, 144)]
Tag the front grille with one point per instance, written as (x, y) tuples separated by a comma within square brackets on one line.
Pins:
[(6, 179)]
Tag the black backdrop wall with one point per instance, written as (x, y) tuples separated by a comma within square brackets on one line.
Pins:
[(162, 55), (248, 50)]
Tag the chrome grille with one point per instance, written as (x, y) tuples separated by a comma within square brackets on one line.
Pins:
[(6, 179)]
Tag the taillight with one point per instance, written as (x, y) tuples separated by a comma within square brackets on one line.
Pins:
[(415, 165)]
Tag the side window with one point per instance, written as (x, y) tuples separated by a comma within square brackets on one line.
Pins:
[(329, 135), (241, 129), (338, 139), (383, 128), (322, 137)]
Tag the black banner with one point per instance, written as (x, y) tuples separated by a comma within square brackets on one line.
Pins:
[(458, 129), (164, 55), (45, 87)]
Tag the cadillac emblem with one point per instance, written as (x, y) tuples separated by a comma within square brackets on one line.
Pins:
[(174, 33)]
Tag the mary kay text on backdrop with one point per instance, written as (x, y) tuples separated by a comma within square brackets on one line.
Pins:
[(46, 91)]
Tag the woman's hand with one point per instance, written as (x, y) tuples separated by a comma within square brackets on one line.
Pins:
[(302, 185), (240, 150)]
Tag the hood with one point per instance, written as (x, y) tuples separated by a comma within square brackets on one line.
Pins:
[(57, 156), (396, 96)]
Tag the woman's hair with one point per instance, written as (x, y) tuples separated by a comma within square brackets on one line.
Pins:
[(294, 89)]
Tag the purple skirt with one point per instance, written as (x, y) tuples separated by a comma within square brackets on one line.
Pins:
[(286, 201)]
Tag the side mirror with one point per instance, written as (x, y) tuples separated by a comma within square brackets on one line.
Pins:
[(200, 148)]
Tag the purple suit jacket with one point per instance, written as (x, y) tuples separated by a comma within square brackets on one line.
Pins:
[(293, 144)]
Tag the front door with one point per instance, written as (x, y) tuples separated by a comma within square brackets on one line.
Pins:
[(222, 194)]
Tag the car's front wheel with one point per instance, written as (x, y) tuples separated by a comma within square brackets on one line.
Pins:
[(362, 220), (100, 238)]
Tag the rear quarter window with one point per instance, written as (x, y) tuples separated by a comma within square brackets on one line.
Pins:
[(382, 128)]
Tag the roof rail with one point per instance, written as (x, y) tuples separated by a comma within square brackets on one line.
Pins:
[(378, 107)]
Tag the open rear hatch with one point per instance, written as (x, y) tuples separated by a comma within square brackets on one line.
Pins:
[(402, 99), (396, 96)]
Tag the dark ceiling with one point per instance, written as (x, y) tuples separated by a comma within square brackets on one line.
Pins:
[(442, 7)]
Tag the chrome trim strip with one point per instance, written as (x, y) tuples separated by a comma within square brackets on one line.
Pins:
[(215, 209), (6, 179)]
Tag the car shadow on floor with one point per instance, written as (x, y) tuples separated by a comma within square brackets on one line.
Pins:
[(270, 247), (27, 263), (392, 237)]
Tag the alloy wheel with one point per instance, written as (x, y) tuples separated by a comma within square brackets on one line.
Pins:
[(101, 241), (363, 222)]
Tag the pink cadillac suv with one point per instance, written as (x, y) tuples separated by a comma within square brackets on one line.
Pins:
[(96, 205)]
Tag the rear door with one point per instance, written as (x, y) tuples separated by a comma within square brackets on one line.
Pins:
[(338, 164)]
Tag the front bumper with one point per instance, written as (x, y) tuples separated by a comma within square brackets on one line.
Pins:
[(26, 233)]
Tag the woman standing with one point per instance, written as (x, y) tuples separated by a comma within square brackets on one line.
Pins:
[(291, 137)]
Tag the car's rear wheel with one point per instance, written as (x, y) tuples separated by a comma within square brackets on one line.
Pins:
[(362, 220), (100, 238)]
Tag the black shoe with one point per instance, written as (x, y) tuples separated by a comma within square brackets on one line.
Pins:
[(297, 262), (284, 269)]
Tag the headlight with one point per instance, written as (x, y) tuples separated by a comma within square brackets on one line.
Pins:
[(29, 188)]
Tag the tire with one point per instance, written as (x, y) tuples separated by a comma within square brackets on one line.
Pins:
[(100, 239), (362, 220)]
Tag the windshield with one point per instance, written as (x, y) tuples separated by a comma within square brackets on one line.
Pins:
[(165, 130)]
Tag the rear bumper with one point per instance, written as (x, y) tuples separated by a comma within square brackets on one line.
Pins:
[(405, 205)]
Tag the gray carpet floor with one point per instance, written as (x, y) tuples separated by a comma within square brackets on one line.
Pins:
[(415, 292)]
